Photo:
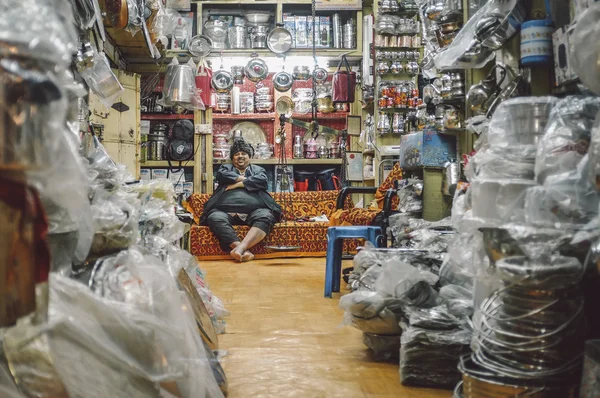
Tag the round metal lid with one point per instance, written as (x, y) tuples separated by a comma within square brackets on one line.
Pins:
[(200, 46)]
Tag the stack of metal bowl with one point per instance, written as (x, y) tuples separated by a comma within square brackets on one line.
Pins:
[(529, 336)]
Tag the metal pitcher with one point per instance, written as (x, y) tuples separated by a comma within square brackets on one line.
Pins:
[(450, 177)]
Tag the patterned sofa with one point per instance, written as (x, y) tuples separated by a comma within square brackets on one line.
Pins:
[(310, 236)]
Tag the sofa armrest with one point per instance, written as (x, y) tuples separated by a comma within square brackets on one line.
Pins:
[(387, 202), (341, 199)]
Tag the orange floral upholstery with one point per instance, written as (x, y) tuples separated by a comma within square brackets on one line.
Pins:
[(356, 216), (395, 174), (350, 216), (310, 236)]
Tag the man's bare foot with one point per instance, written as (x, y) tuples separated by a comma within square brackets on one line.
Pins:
[(247, 256), (238, 253)]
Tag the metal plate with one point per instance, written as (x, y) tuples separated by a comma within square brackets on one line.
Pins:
[(279, 40), (283, 248), (251, 132)]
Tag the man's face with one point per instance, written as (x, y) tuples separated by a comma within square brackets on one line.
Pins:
[(241, 160)]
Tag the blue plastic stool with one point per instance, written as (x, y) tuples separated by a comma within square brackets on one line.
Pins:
[(335, 240)]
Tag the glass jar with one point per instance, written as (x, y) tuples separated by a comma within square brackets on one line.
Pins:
[(383, 125)]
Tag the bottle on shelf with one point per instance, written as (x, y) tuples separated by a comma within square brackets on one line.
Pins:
[(180, 35)]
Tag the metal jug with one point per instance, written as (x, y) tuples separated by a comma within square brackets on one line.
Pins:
[(450, 177)]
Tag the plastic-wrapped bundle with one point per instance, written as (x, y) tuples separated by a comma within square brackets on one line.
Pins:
[(565, 200), (493, 162), (410, 196), (116, 219), (567, 137), (383, 347), (428, 358), (520, 122), (176, 259), (499, 200), (465, 259), (101, 347), (370, 312), (594, 153)]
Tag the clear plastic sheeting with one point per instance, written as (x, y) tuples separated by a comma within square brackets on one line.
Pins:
[(37, 30), (474, 45), (410, 196), (594, 154), (383, 347), (583, 55), (564, 201), (150, 334), (493, 162), (101, 79), (500, 200), (116, 218), (567, 137), (524, 240), (465, 259), (520, 121), (176, 259)]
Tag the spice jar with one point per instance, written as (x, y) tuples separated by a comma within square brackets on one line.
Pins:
[(382, 103)]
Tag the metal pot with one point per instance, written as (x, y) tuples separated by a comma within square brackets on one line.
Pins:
[(301, 72), (156, 147), (178, 81), (237, 37), (279, 40), (217, 31), (450, 177), (256, 70), (258, 35), (283, 81), (222, 81)]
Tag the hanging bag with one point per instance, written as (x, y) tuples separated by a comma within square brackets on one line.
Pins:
[(343, 83), (203, 78)]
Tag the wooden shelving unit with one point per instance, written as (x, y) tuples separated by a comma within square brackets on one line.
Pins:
[(322, 116), (164, 163), (165, 116), (274, 161), (244, 116)]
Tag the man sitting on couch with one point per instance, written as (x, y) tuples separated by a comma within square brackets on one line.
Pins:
[(240, 199)]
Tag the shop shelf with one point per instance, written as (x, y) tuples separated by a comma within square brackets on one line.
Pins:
[(322, 116), (164, 163), (165, 116), (275, 161), (243, 116)]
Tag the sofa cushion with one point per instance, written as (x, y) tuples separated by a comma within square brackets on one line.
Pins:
[(310, 236), (304, 204)]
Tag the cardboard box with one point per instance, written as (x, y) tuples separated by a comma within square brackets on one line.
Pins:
[(563, 70), (289, 23), (426, 148), (177, 176), (188, 189), (301, 32), (160, 174), (309, 28), (145, 174), (325, 28)]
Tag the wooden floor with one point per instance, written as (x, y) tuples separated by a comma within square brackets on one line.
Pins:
[(284, 339)]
